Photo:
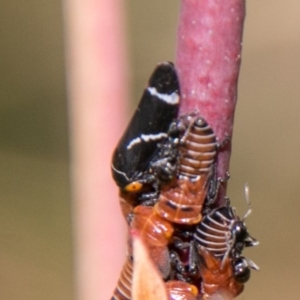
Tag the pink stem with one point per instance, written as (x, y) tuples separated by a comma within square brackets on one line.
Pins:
[(96, 67), (208, 63)]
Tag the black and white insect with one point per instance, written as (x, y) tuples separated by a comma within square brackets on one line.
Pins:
[(224, 234), (147, 152)]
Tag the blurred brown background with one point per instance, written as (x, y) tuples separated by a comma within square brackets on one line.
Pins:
[(35, 233)]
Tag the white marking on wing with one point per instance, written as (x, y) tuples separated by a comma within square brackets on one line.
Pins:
[(146, 138), (170, 99), (134, 142), (119, 172), (153, 137)]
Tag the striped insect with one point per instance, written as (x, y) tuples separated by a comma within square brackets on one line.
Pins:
[(146, 154), (123, 288), (176, 290), (198, 147), (156, 234), (182, 201), (224, 235)]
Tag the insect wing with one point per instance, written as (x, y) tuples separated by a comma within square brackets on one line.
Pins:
[(149, 125)]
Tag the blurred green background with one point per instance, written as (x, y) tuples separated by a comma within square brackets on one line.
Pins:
[(35, 233)]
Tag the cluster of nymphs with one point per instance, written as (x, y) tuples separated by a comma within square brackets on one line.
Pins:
[(165, 167)]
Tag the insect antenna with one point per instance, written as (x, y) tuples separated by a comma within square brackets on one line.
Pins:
[(251, 264), (230, 243), (249, 241), (247, 197)]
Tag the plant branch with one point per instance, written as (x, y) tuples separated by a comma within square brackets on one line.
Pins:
[(208, 63)]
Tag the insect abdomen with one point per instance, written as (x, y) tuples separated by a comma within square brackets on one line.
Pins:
[(213, 233), (198, 152), (182, 204), (123, 288)]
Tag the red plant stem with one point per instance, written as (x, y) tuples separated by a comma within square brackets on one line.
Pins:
[(208, 63), (96, 68)]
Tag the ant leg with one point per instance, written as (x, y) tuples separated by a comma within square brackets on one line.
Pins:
[(149, 197), (214, 186), (223, 144)]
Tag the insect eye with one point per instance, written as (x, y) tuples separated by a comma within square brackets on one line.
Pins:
[(193, 290), (133, 187)]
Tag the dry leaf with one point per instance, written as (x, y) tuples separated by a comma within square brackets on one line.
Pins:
[(147, 283)]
